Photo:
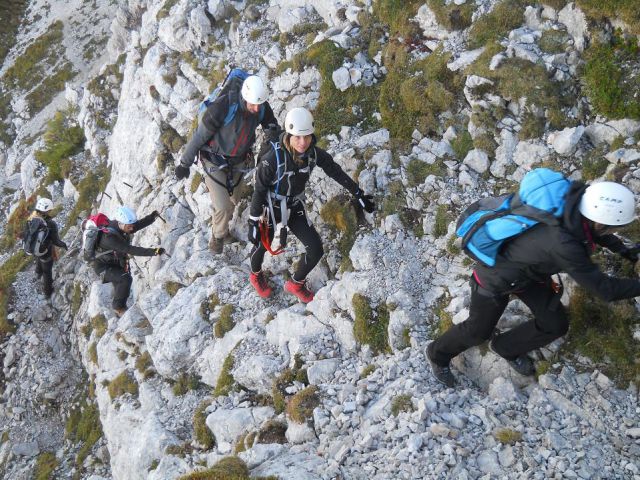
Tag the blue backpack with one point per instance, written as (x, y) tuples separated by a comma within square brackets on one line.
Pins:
[(234, 81), (487, 224)]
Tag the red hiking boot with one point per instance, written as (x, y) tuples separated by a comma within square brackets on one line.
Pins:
[(260, 284), (299, 289)]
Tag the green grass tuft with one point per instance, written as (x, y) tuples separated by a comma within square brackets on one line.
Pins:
[(226, 383), (83, 427), (441, 222), (370, 326), (229, 468), (401, 403), (225, 321), (300, 407), (450, 15), (495, 25), (185, 383), (201, 432), (507, 436), (123, 383), (46, 464), (603, 331), (8, 272)]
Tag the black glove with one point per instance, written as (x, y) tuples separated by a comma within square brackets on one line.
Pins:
[(254, 232), (365, 201), (182, 172), (272, 132), (630, 254), (159, 251)]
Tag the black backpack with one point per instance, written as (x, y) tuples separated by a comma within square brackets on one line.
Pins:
[(34, 237)]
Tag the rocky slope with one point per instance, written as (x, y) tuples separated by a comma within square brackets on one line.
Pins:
[(200, 367)]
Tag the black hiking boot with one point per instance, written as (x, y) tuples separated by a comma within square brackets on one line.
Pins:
[(521, 364), (442, 374)]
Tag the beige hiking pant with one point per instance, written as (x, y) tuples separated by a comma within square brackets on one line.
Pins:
[(222, 204)]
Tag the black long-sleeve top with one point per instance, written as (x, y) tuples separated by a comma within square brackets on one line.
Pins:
[(118, 244)]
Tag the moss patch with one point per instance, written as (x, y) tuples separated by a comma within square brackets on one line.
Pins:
[(123, 383), (370, 326), (300, 407), (208, 306), (225, 321)]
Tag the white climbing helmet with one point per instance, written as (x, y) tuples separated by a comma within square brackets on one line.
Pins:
[(299, 121), (125, 215), (254, 90), (608, 203), (44, 205)]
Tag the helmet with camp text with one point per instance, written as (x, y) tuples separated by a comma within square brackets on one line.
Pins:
[(608, 203)]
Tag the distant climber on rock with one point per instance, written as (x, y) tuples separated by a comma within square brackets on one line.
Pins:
[(586, 216), (113, 249), (223, 142), (39, 238), (278, 201)]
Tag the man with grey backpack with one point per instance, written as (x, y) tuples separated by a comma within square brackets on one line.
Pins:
[(39, 238)]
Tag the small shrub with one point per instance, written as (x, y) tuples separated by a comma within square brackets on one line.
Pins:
[(201, 432), (368, 370), (46, 464), (507, 436), (418, 171), (370, 326), (226, 382), (225, 321), (123, 383), (401, 403), (441, 222), (300, 407), (172, 288), (185, 383)]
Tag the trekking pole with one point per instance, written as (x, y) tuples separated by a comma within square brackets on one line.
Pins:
[(160, 217)]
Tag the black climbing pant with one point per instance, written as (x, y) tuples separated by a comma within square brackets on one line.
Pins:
[(306, 233), (44, 268), (121, 280), (550, 322)]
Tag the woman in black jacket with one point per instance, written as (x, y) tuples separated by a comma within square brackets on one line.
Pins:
[(281, 177)]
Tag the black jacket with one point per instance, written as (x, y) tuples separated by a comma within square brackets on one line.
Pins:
[(118, 244), (233, 140), (545, 250), (294, 184)]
